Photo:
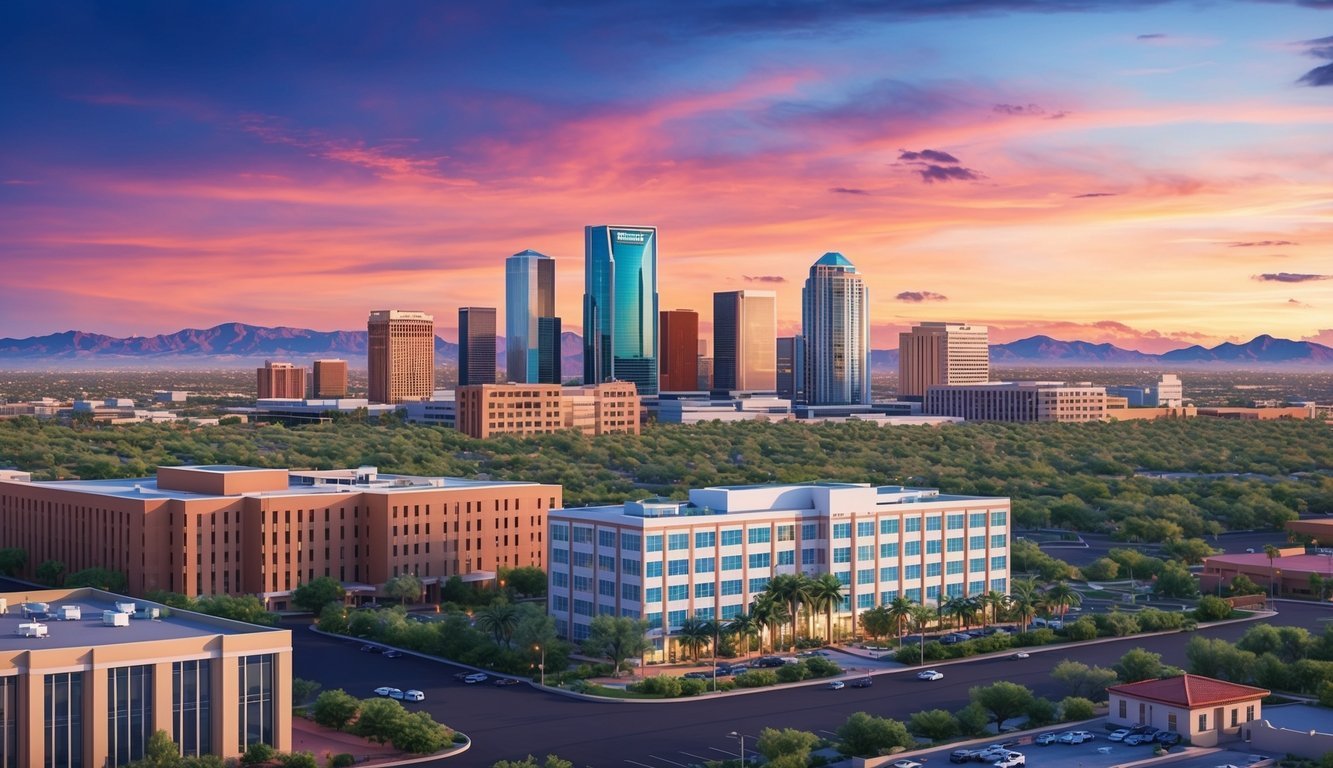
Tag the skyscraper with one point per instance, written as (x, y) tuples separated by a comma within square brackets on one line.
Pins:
[(942, 353), (835, 321), (529, 297), (745, 329), (620, 306), (476, 345), (400, 353), (549, 361), (679, 350), (280, 380), (330, 379), (791, 368)]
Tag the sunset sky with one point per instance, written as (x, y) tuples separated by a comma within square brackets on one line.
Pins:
[(1153, 174)]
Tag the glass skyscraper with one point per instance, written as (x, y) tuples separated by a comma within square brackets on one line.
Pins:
[(530, 297), (620, 306), (745, 333), (835, 321)]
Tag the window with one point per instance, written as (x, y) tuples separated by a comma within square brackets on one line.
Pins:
[(932, 569), (582, 534), (976, 564), (997, 541), (976, 520), (1249, 713), (652, 595), (888, 573), (888, 596), (559, 579), (912, 548), (913, 594), (582, 583), (809, 531), (761, 560), (786, 533), (629, 567), (654, 543), (558, 556), (998, 562), (888, 550), (913, 525), (731, 538), (677, 541), (976, 542), (842, 530), (654, 620), (865, 601), (731, 587), (912, 572), (703, 564), (678, 592), (953, 590), (808, 556), (581, 559), (606, 538), (704, 539), (844, 577), (888, 525), (758, 584), (653, 569), (678, 567), (865, 552), (606, 588), (954, 568), (933, 547), (1170, 719), (63, 707), (731, 562), (675, 619), (955, 522), (631, 541), (1203, 721), (787, 557), (865, 528), (255, 700), (731, 611), (865, 576), (606, 562), (954, 544), (191, 707), (842, 554), (760, 535), (704, 589), (704, 614), (1235, 717), (933, 592), (933, 523), (998, 517), (559, 603), (999, 585), (559, 532), (1123, 708), (975, 588)]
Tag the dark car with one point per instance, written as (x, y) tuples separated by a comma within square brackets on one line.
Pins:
[(1168, 738), (697, 675), (767, 661), (393, 654), (368, 648), (962, 755), (862, 682), (503, 681)]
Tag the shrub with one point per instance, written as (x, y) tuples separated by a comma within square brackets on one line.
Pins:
[(342, 760), (791, 673), (335, 709), (973, 720), (818, 666), (1212, 608), (1157, 620), (1041, 636), (1083, 629), (1116, 624), (1041, 712), (298, 760), (757, 678), (1076, 708), (660, 685), (934, 724), (693, 687), (257, 753)]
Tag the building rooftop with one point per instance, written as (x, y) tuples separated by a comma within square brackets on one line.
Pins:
[(1321, 564), (89, 629), (834, 259), (1191, 691)]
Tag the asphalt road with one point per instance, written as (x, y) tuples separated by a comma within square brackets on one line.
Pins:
[(514, 721)]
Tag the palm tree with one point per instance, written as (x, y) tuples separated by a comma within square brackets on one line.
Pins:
[(771, 613), (921, 617), (694, 634), (1026, 598), (1062, 596), (995, 601), (793, 590), (744, 625), (1273, 552), (900, 608), (826, 594), (950, 608), (500, 618)]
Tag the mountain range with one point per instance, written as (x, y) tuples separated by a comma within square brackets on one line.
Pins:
[(231, 343)]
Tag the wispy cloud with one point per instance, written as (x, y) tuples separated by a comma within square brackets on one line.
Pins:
[(848, 191), (1095, 194), (936, 166), (933, 173), (1259, 243), (917, 297), (1320, 48), (1152, 36), (927, 155), (1289, 277), (764, 278)]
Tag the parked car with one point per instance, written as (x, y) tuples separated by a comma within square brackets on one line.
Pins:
[(767, 661), (697, 675), (1013, 760), (1168, 738), (393, 654), (1022, 655), (368, 648), (1118, 735), (1135, 739), (413, 695), (929, 674), (1047, 739), (384, 690), (863, 682), (906, 764), (962, 755), (990, 754), (836, 685), (503, 681), (1075, 737), (476, 677)]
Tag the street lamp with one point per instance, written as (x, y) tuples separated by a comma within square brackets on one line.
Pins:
[(542, 666), (741, 738)]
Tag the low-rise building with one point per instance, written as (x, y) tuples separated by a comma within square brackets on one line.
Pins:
[(484, 410), (694, 407), (666, 561), (87, 676), (1018, 401), (1204, 711), (294, 410)]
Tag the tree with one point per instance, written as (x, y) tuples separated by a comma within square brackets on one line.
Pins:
[(866, 735), (12, 560), (1025, 597), (995, 601), (1242, 585), (1138, 664), (405, 587), (245, 608), (1214, 657), (1188, 551), (770, 612), (826, 595), (900, 610), (50, 572), (335, 709), (528, 580), (695, 634), (1062, 597), (1273, 553), (934, 724), (420, 734), (1081, 680), (1077, 708), (1212, 608), (743, 625), (98, 578), (160, 751), (257, 753), (786, 743), (318, 593), (876, 622), (793, 591), (1101, 569), (333, 618), (1041, 712), (552, 761), (500, 619), (922, 617), (973, 720), (616, 638), (1002, 700), (379, 720), (1175, 580), (303, 690)]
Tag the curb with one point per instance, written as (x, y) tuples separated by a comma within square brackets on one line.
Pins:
[(426, 758)]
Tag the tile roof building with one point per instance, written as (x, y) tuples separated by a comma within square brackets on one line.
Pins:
[(1203, 710)]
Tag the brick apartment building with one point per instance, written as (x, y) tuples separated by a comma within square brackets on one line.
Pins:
[(205, 530)]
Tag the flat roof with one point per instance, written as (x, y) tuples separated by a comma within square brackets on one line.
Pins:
[(1321, 564), (90, 631)]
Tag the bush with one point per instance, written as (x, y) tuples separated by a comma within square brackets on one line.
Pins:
[(791, 673), (1212, 608), (342, 760), (298, 760), (335, 709), (660, 685), (818, 666), (258, 753), (1081, 630), (864, 734), (1041, 712), (1157, 620), (756, 678), (693, 687), (1041, 636), (1076, 708), (934, 724), (973, 720)]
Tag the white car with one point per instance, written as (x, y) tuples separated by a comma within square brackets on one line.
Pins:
[(1011, 761), (396, 693), (907, 764), (1022, 655), (929, 674), (413, 695), (1118, 735), (476, 677), (1075, 737), (1047, 739), (837, 685), (384, 690)]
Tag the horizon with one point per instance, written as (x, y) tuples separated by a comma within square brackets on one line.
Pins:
[(1151, 174)]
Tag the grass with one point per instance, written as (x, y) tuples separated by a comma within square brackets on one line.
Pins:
[(617, 693)]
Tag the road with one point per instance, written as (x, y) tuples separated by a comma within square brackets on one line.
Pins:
[(1098, 545), (514, 721)]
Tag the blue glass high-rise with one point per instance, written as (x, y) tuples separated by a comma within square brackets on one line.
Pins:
[(835, 321), (530, 299), (620, 306)]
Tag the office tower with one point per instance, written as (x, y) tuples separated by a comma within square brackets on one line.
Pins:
[(280, 380), (791, 368), (330, 379), (835, 321), (476, 345), (942, 353), (705, 367), (549, 358), (745, 330), (679, 350), (400, 353), (529, 297), (620, 306)]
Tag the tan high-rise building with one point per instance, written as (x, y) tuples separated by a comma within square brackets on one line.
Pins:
[(400, 353), (280, 380), (745, 332), (942, 353), (485, 410), (231, 530), (330, 379)]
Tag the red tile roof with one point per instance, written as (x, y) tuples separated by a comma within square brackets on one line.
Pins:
[(1189, 691)]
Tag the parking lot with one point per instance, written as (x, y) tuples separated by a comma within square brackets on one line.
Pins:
[(1097, 753)]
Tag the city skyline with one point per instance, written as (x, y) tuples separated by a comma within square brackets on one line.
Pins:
[(1149, 174)]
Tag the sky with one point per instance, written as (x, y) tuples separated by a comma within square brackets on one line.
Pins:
[(1149, 173)]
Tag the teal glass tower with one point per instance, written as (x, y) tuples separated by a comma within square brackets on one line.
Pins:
[(835, 321), (620, 306)]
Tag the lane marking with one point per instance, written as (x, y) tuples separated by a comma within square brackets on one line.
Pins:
[(673, 762), (636, 762)]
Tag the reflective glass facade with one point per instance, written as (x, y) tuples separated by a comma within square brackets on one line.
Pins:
[(255, 704), (9, 739), (835, 321), (745, 327), (129, 713), (529, 298), (191, 706), (476, 345), (63, 733), (620, 306)]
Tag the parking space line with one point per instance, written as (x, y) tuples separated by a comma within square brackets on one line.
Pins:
[(636, 762), (673, 762), (723, 751), (691, 754)]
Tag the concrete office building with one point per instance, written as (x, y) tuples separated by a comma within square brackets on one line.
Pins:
[(1167, 392), (486, 410), (530, 355), (86, 677), (942, 353), (835, 321), (678, 352), (620, 306), (229, 530), (400, 353), (745, 332), (790, 361), (330, 379), (280, 380), (708, 558), (1018, 401), (695, 407), (705, 381), (476, 345)]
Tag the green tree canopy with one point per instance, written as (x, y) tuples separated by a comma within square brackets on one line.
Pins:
[(616, 638), (314, 595), (335, 709), (867, 735), (1002, 700)]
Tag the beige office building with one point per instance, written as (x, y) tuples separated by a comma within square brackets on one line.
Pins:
[(745, 332), (400, 353), (330, 379), (942, 353), (1018, 401), (280, 380), (87, 676), (485, 410)]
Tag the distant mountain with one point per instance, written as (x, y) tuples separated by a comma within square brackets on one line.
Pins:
[(236, 343)]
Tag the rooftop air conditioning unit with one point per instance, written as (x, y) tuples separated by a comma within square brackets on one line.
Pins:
[(115, 619), (71, 613), (32, 630), (126, 607)]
